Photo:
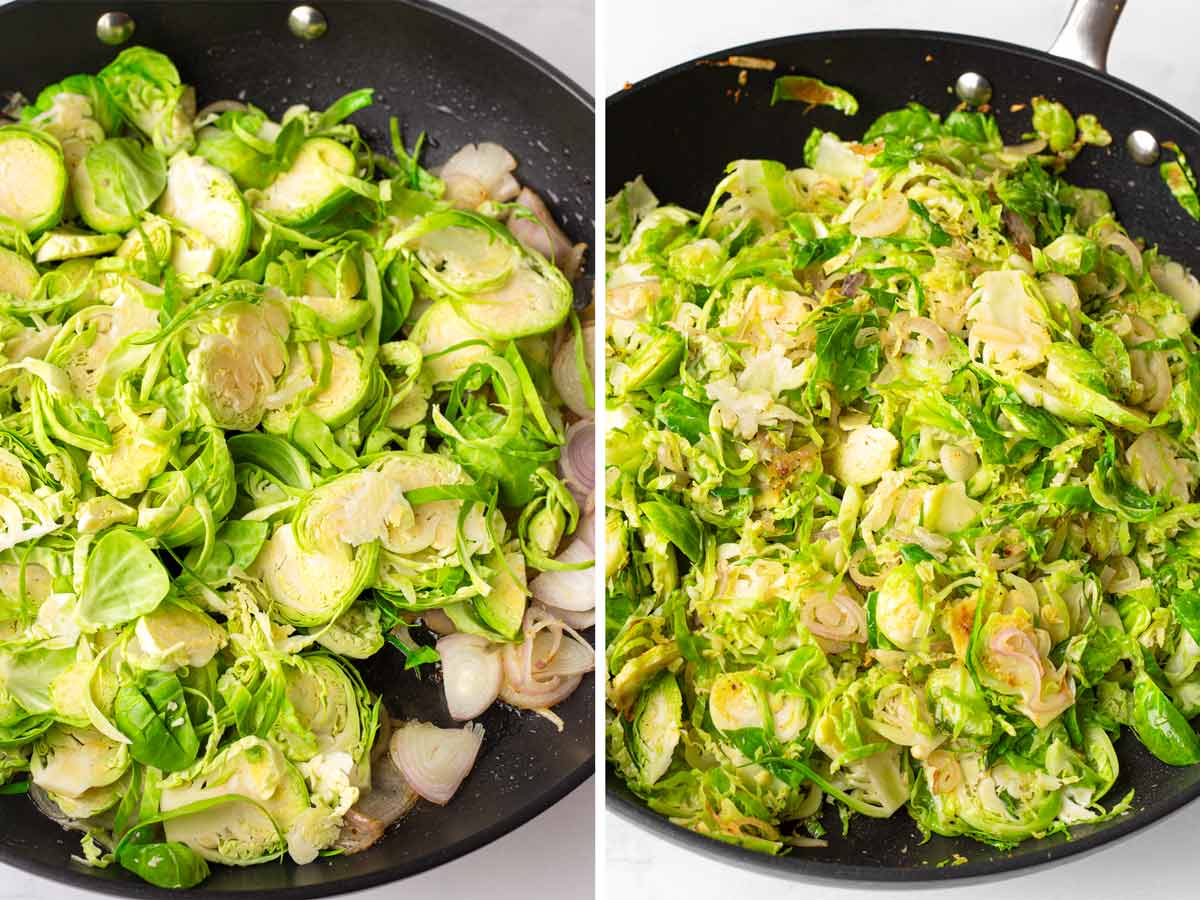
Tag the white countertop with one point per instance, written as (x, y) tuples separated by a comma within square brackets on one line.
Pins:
[(1154, 49), (558, 846)]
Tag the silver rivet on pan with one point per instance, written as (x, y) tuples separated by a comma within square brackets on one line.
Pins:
[(307, 22), (973, 89), (114, 28), (1142, 147)]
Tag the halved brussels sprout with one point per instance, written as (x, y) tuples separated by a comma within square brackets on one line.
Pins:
[(314, 584), (35, 178), (656, 726), (134, 459), (69, 762), (355, 634), (145, 86), (232, 370), (116, 183), (314, 187), (1003, 803), (347, 384), (206, 198), (330, 712), (18, 276), (237, 833), (440, 328)]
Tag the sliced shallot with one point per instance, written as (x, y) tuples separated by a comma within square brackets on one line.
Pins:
[(434, 761), (566, 373), (389, 799), (544, 235), (547, 666), (577, 462), (480, 172), (577, 620), (571, 588), (438, 622), (471, 674)]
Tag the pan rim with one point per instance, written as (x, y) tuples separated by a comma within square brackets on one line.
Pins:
[(623, 803), (135, 888), (944, 37)]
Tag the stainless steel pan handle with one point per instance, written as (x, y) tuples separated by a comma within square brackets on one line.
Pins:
[(1086, 34)]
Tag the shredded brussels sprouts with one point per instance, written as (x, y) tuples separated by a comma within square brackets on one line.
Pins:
[(901, 490), (263, 411)]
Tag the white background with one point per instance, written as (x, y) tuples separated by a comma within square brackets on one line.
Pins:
[(1154, 48), (558, 846)]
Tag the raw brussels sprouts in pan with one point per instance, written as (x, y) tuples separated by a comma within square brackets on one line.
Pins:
[(273, 403), (902, 457)]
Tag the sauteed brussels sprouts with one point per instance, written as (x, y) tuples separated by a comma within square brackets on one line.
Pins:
[(901, 487), (269, 400)]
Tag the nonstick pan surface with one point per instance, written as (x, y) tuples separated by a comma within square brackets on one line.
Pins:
[(460, 82), (679, 129)]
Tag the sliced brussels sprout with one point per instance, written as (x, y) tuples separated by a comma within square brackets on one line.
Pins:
[(314, 188), (338, 316), (430, 524), (134, 459), (35, 178), (345, 392), (76, 108), (1078, 378), (736, 701), (656, 727), (171, 510), (468, 255), (355, 634), (902, 613), (61, 244), (207, 199), (864, 455), (1002, 803), (173, 637), (237, 832), (153, 232), (959, 706), (331, 712), (440, 328), (232, 370), (91, 802), (145, 86), (69, 762), (116, 183), (503, 609), (533, 300), (1008, 324), (103, 512), (18, 276), (225, 149), (311, 588), (947, 509)]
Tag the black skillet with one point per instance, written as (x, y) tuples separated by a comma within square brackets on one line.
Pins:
[(679, 129), (457, 80)]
